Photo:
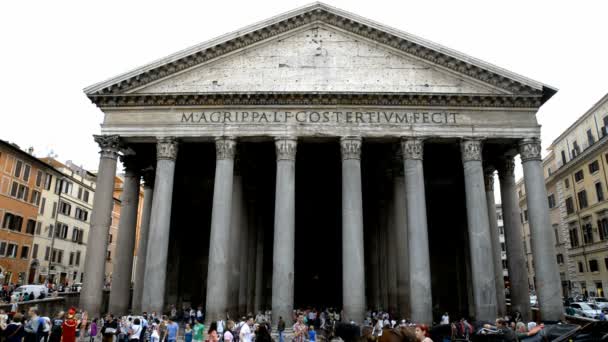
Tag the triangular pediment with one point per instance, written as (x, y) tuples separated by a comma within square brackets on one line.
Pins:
[(319, 48), (319, 58)]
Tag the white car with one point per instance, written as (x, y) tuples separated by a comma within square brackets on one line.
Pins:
[(586, 310), (599, 301), (36, 289)]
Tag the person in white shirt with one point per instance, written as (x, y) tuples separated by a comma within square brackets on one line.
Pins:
[(245, 334), (445, 319), (135, 330)]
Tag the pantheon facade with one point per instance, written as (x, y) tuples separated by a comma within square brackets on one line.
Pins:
[(320, 159)]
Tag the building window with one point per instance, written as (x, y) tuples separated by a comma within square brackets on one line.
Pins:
[(569, 205), (593, 266), (109, 256), (79, 192), (551, 200), (38, 228), (71, 261), (54, 212), (576, 150), (65, 208), (57, 256), (2, 248), (11, 250), (81, 214), (567, 183), (556, 231), (582, 199), (77, 235), (50, 231), (23, 192), (26, 172), (599, 191), (35, 252), (14, 189), (573, 237), (594, 167), (110, 238), (602, 227), (85, 196), (62, 231), (38, 178), (30, 227), (35, 198), (564, 161), (560, 259), (77, 262), (47, 253), (587, 233), (48, 181), (606, 263), (18, 167), (581, 267), (12, 222), (25, 252), (502, 247), (590, 137), (42, 205), (579, 175), (67, 187)]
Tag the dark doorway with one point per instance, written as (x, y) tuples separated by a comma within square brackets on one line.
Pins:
[(318, 259)]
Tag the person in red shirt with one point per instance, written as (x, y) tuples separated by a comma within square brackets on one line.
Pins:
[(68, 333)]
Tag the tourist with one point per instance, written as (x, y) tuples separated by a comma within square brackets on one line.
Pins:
[(68, 328), (155, 334), (502, 328), (15, 331), (312, 334), (55, 335), (422, 333), (212, 334), (299, 330), (33, 327), (198, 331), (93, 330), (445, 319), (188, 333), (109, 329), (245, 334), (262, 334), (172, 330), (135, 330), (199, 314), (46, 328), (281, 328), (228, 336), (162, 328)]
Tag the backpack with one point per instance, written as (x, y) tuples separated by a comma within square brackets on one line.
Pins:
[(236, 333)]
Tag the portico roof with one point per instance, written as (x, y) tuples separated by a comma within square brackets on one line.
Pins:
[(437, 55)]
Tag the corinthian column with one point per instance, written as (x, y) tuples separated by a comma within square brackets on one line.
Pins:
[(499, 279), (125, 244), (284, 231), (480, 244), (400, 212), (144, 233), (219, 240), (418, 239), (516, 259), (548, 286), (153, 299), (97, 243), (353, 266)]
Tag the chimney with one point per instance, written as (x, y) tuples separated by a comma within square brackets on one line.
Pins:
[(30, 150)]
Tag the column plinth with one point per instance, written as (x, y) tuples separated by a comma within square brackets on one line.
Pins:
[(284, 231), (97, 243), (548, 284), (480, 244), (153, 298), (418, 240)]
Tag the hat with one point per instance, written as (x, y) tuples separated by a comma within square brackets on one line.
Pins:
[(71, 312)]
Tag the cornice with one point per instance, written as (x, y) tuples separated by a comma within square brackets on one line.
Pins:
[(319, 98), (441, 57)]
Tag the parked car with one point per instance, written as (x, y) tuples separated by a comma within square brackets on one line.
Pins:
[(586, 310), (599, 301), (36, 289)]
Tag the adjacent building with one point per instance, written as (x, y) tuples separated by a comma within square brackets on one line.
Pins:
[(576, 177)]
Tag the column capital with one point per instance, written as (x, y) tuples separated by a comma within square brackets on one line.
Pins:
[(129, 160), (225, 148), (471, 149), (166, 148), (412, 148), (506, 167), (148, 175), (286, 148), (350, 147), (488, 178), (529, 149), (109, 144)]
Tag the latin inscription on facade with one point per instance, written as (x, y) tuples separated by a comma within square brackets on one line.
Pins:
[(320, 117)]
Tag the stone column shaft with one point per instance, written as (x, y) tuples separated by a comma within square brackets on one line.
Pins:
[(499, 279), (418, 240), (391, 250), (480, 244), (374, 269), (403, 274), (259, 269), (251, 260), (219, 241), (144, 233), (160, 223), (125, 244), (243, 254), (97, 243), (548, 284), (353, 264), (516, 258), (237, 221), (284, 232)]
